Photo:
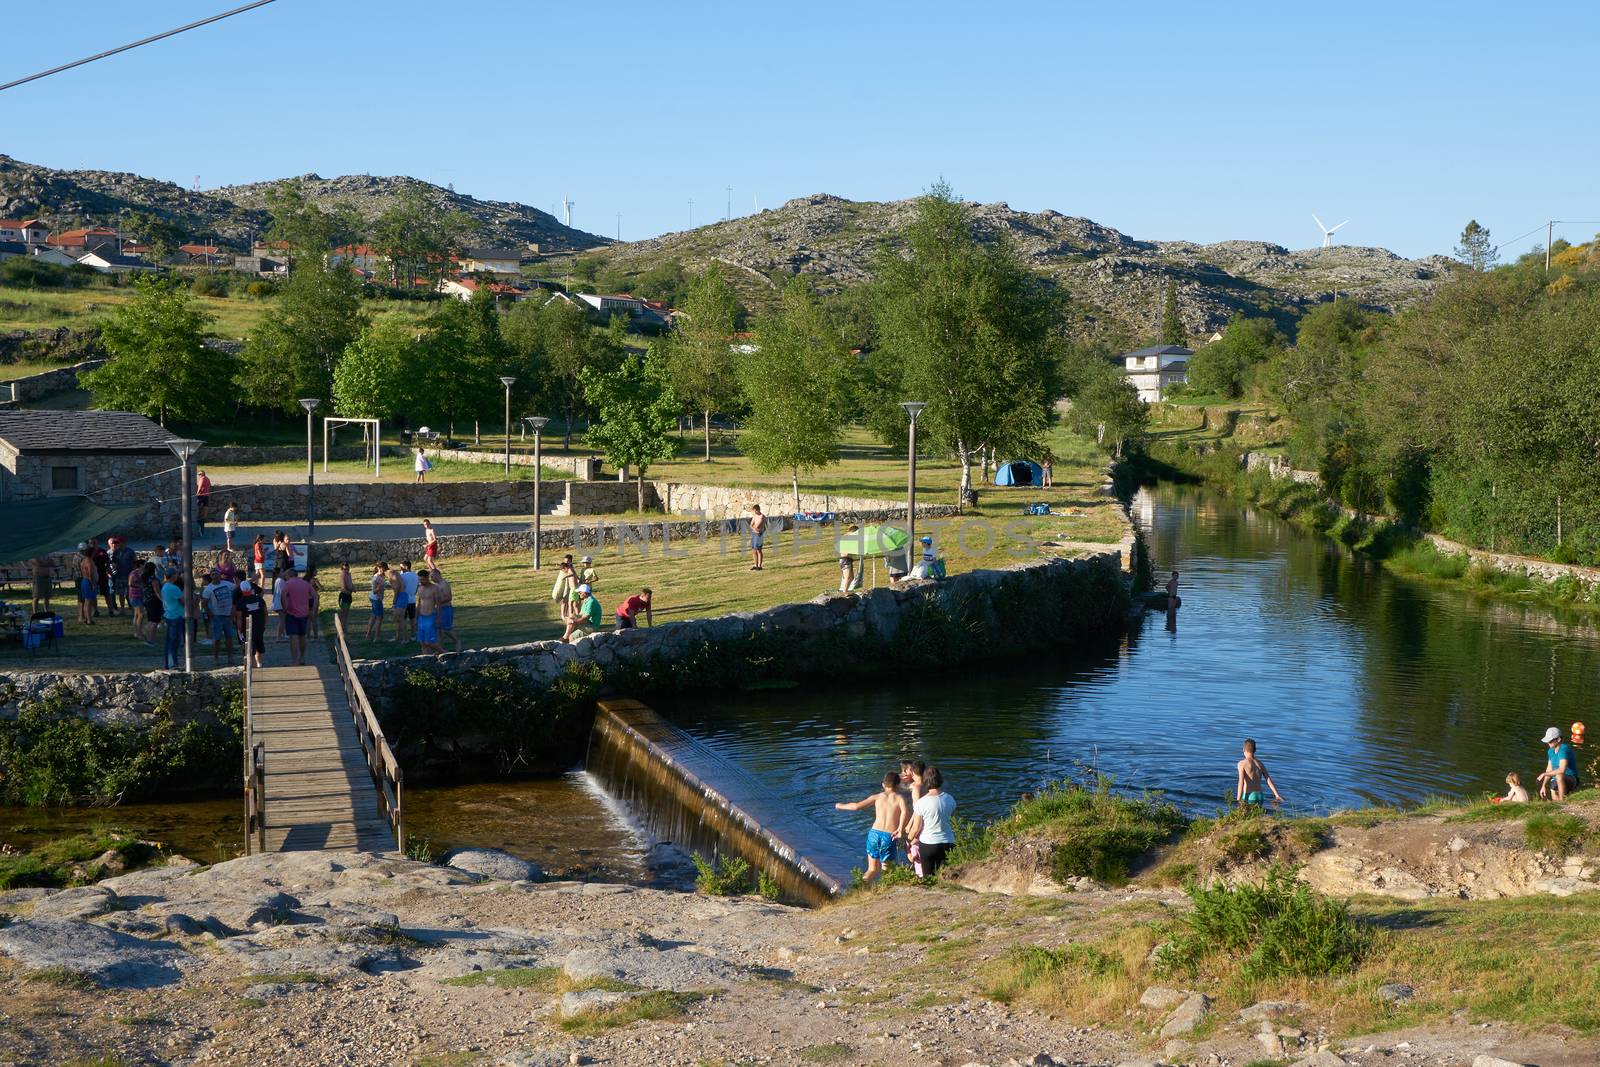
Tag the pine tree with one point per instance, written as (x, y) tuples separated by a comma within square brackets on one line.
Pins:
[(1475, 250), (1172, 331)]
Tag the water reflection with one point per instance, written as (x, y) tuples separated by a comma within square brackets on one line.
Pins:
[(1359, 687)]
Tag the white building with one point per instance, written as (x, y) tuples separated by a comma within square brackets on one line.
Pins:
[(492, 260), (1156, 369), (27, 231), (108, 262)]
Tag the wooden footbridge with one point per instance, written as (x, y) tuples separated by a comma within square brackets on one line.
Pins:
[(318, 771)]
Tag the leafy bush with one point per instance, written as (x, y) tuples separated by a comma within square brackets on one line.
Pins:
[(1096, 833), (1279, 928), (260, 290), (50, 755), (212, 285), (1246, 844), (721, 876), (1556, 833), (69, 860), (25, 272), (768, 887)]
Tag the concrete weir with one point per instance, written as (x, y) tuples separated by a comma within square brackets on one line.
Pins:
[(662, 777)]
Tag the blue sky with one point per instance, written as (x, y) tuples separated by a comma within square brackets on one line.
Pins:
[(1200, 121)]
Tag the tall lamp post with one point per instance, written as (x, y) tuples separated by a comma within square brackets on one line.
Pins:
[(508, 382), (913, 408), (536, 424), (185, 448), (310, 404)]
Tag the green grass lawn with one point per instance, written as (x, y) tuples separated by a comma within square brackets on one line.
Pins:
[(12, 371)]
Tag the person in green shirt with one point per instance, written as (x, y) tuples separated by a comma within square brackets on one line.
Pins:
[(587, 619)]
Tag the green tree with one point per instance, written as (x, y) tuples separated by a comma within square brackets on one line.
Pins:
[(1475, 250), (159, 365), (700, 355), (375, 378), (964, 327), (1108, 409), (418, 235), (465, 358), (552, 345), (796, 383), (308, 228), (158, 235), (1224, 366), (293, 352), (638, 412), (1172, 331)]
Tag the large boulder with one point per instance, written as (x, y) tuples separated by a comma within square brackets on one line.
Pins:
[(110, 959), (493, 863)]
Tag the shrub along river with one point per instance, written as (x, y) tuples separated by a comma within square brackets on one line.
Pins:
[(1359, 687)]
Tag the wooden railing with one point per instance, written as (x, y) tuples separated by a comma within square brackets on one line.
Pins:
[(255, 760), (380, 758)]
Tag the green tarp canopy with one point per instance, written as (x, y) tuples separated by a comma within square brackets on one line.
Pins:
[(58, 524)]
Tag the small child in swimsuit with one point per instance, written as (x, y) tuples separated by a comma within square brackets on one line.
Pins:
[(1252, 772), (1515, 794), (889, 816)]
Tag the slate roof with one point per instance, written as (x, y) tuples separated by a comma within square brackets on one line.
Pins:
[(490, 253), (1159, 350), (82, 431)]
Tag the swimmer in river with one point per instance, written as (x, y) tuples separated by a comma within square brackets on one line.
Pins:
[(890, 815), (1252, 772)]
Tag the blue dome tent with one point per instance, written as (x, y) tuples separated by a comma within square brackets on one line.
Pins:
[(1019, 472)]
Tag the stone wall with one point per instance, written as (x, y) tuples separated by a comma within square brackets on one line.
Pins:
[(1279, 467), (126, 697), (1540, 570), (720, 501), (608, 498), (50, 382), (580, 468), (354, 501), (833, 636)]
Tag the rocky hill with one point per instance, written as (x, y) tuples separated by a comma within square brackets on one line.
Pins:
[(1120, 281), (233, 214)]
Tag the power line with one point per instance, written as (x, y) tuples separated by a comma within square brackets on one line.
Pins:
[(135, 44)]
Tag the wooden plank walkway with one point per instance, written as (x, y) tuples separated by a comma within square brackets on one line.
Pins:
[(319, 793)]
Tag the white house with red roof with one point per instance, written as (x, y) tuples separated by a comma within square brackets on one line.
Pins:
[(361, 257), (491, 260), (27, 231), (463, 289)]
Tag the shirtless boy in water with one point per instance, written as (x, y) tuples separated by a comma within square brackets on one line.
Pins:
[(1252, 772), (889, 816)]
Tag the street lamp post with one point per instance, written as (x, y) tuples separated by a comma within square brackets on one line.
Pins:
[(913, 408), (185, 448), (508, 382), (310, 404), (536, 424)]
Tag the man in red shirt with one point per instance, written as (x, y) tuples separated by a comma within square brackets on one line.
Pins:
[(296, 615), (628, 611), (202, 497)]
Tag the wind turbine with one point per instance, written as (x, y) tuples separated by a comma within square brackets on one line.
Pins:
[(1327, 231)]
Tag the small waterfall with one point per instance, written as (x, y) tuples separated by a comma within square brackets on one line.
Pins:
[(662, 777)]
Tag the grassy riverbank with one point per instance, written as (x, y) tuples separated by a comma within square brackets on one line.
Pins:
[(1401, 549)]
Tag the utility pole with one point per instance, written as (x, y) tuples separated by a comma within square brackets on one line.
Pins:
[(1549, 226), (619, 225), (729, 215), (691, 213)]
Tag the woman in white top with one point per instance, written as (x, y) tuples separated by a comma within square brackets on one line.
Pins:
[(230, 524), (930, 825), (422, 466)]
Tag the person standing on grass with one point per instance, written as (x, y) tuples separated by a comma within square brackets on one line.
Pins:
[(447, 609), (347, 593), (102, 577), (428, 613), (1252, 772), (587, 575), (250, 616), (230, 525), (889, 814), (136, 599), (296, 615), (44, 581), (930, 825), (154, 607), (1047, 467), (628, 610), (1560, 775), (282, 554), (202, 497), (758, 537), (566, 582), (408, 585), (124, 561), (421, 466), (430, 543), (86, 584), (226, 568), (172, 611), (377, 585), (258, 557), (219, 596)]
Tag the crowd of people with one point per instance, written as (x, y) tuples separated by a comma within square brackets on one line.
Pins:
[(912, 815)]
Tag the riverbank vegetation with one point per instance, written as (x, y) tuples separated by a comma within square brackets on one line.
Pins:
[(78, 859)]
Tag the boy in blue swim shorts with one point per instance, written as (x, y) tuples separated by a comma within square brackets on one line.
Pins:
[(890, 815)]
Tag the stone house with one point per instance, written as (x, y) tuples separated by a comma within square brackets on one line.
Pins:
[(491, 260), (110, 454)]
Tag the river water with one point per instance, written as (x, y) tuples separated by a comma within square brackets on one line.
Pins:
[(1359, 687)]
